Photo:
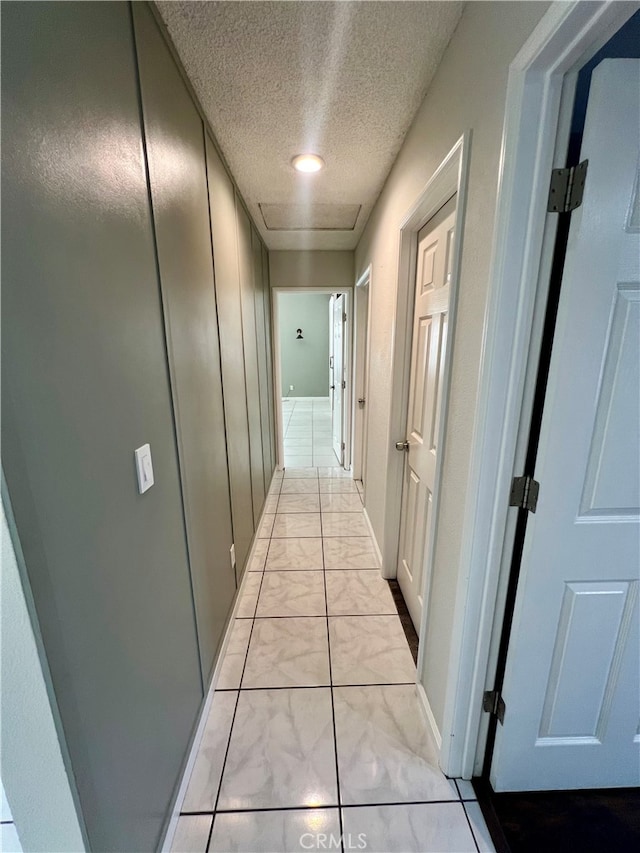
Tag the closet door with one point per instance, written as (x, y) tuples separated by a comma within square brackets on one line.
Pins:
[(84, 383), (225, 255), (267, 462), (175, 149), (247, 292)]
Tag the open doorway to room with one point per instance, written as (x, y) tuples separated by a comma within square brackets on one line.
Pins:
[(313, 387)]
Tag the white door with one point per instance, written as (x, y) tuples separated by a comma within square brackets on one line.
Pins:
[(430, 318), (338, 375), (571, 684)]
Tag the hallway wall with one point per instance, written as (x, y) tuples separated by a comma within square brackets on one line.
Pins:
[(118, 220), (312, 269), (467, 93), (304, 363)]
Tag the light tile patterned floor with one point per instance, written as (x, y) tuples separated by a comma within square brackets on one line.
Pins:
[(307, 432), (315, 739)]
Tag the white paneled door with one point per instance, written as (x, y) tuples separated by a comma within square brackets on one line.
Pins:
[(431, 313), (338, 383), (571, 684)]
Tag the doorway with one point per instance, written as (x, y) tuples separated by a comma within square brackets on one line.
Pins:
[(421, 443), (311, 355), (574, 576), (361, 334)]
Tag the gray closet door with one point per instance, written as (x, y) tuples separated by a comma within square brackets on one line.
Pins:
[(247, 292), (267, 462), (174, 138), (225, 257), (84, 383), (268, 325)]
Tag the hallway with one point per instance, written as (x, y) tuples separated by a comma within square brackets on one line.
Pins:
[(315, 705)]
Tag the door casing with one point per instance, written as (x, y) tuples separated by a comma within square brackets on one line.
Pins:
[(348, 372), (567, 37), (360, 382)]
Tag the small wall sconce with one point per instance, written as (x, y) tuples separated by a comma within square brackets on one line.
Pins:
[(299, 334)]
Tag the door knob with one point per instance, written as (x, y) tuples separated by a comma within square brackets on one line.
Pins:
[(361, 401), (402, 445)]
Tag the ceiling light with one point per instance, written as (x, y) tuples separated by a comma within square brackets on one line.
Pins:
[(307, 163)]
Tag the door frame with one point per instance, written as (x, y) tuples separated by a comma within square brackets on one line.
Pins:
[(568, 35), (277, 371), (360, 381), (449, 179)]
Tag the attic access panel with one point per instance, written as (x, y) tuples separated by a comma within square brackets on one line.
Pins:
[(310, 217)]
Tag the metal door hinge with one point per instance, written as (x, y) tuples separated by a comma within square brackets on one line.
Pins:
[(343, 445), (493, 703), (344, 385), (567, 188), (344, 318), (524, 493)]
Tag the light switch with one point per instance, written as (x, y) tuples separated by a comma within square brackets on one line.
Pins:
[(144, 468)]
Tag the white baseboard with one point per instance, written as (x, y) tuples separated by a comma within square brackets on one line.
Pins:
[(385, 571), (428, 714), (204, 711)]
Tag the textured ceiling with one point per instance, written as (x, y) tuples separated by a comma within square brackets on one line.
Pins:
[(342, 79)]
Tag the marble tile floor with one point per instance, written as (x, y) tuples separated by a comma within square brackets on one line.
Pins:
[(315, 738), (307, 432)]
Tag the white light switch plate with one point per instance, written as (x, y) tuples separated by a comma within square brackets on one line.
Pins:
[(144, 468)]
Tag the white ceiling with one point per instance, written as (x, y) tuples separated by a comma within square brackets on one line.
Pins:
[(342, 79)]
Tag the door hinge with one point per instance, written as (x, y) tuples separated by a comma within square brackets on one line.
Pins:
[(344, 385), (524, 493), (344, 318), (343, 445), (493, 703), (567, 188)]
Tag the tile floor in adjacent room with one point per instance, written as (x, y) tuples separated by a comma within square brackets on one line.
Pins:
[(315, 731), (307, 432)]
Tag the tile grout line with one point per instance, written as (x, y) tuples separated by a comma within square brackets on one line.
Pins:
[(320, 686), (333, 707), (473, 835), (327, 808)]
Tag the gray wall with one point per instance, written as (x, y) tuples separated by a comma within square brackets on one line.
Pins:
[(304, 364), (312, 269), (110, 340), (183, 236)]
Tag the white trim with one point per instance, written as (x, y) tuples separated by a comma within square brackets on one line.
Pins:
[(566, 37), (376, 547), (361, 350), (428, 715), (449, 179), (206, 705), (277, 372)]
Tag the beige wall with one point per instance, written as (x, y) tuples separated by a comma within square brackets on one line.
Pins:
[(311, 269), (467, 93)]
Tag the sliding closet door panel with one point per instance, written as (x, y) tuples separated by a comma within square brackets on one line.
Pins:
[(177, 171), (225, 255), (84, 383), (261, 340), (268, 320), (247, 292)]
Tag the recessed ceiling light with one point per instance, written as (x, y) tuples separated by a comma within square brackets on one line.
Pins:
[(308, 163)]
